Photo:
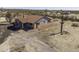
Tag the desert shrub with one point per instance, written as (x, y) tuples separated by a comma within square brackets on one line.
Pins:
[(73, 19), (66, 32), (77, 46), (54, 16), (75, 25), (17, 49), (77, 20), (65, 18)]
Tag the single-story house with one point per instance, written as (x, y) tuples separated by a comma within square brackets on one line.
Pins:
[(31, 21)]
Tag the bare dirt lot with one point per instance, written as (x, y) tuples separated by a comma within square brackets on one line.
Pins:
[(44, 40)]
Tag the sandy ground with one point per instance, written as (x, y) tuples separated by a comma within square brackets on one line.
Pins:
[(48, 39), (4, 33), (67, 42), (22, 42)]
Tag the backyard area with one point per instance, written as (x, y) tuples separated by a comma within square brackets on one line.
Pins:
[(48, 39), (44, 34)]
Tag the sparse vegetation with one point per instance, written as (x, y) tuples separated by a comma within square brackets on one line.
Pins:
[(45, 38), (8, 17), (4, 33), (66, 32), (75, 25)]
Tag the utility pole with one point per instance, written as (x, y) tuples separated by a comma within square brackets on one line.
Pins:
[(62, 22), (62, 25)]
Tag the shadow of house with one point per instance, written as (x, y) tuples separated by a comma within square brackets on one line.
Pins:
[(27, 22), (16, 25)]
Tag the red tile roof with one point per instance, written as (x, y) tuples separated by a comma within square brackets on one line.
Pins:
[(29, 18)]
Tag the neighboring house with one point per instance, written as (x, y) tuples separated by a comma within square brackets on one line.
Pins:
[(3, 20), (32, 21)]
